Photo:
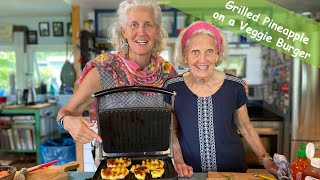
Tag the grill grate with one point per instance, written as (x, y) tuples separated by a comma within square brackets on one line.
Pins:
[(169, 172)]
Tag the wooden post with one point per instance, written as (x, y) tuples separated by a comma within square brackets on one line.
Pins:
[(77, 67), (75, 39)]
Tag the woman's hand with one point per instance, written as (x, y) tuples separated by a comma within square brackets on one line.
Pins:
[(246, 87), (271, 167), (79, 129), (183, 169)]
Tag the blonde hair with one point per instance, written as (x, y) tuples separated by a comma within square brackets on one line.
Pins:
[(115, 31), (179, 55)]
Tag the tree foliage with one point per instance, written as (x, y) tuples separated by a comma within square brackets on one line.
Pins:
[(7, 66)]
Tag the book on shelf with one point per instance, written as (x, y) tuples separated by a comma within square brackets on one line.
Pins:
[(29, 139), (5, 144), (25, 140), (11, 140), (33, 134), (22, 140), (24, 119), (17, 139), (23, 125), (5, 120), (17, 132)]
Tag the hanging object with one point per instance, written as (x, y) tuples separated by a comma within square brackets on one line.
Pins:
[(68, 74)]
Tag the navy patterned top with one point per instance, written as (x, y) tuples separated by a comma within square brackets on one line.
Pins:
[(207, 132)]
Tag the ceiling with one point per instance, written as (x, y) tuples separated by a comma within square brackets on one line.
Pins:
[(25, 8)]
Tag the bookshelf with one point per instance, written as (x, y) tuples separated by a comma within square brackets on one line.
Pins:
[(23, 127)]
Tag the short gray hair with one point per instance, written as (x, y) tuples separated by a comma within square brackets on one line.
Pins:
[(179, 55), (115, 31)]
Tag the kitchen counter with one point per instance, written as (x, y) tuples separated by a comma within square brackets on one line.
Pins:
[(258, 113), (36, 106), (74, 175)]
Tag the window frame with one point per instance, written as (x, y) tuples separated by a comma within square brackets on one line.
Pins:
[(49, 48)]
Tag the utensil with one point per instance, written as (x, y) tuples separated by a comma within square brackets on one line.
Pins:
[(264, 177), (25, 170)]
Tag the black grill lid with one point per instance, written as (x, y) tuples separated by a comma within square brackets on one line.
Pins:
[(134, 129)]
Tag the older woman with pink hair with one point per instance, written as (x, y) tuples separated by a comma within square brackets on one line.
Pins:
[(210, 108)]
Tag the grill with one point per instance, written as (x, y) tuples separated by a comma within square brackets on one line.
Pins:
[(169, 172), (136, 130)]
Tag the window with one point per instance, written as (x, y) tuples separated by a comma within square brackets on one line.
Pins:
[(235, 65), (7, 66), (49, 65)]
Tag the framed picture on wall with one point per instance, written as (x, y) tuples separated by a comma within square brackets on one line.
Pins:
[(57, 28), (69, 29), (44, 28), (32, 37)]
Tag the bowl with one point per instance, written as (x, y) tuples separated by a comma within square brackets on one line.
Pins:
[(12, 171)]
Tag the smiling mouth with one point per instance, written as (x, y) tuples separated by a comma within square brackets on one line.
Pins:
[(141, 42), (202, 67)]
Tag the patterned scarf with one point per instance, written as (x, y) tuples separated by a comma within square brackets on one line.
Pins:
[(126, 73)]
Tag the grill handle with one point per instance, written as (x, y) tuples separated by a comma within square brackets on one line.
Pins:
[(133, 88)]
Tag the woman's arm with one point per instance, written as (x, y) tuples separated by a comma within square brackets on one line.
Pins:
[(73, 122), (252, 138), (180, 166)]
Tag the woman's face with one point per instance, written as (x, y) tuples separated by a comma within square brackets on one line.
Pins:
[(201, 55), (140, 31)]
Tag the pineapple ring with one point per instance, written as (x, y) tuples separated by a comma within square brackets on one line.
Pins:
[(119, 162), (114, 173), (140, 172), (158, 172), (152, 164)]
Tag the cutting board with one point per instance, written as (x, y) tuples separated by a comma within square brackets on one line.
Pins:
[(235, 176), (51, 172)]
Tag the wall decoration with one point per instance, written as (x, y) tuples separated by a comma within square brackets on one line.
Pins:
[(69, 29), (57, 28), (44, 29), (32, 37), (6, 32)]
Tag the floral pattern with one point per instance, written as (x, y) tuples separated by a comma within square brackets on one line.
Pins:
[(127, 73)]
